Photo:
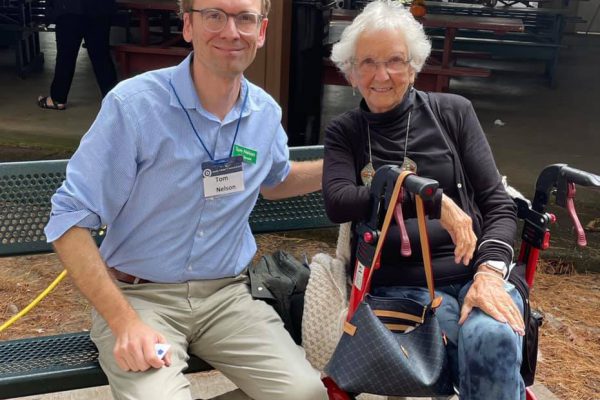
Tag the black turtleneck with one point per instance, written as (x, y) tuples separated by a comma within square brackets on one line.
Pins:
[(346, 199), (426, 145)]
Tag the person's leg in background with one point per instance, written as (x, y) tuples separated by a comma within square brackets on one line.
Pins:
[(69, 33), (97, 39), (490, 355)]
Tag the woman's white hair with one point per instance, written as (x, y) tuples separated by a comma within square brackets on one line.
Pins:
[(383, 15)]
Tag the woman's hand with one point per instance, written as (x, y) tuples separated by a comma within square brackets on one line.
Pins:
[(488, 294), (460, 227)]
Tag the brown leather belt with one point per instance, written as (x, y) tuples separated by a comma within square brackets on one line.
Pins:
[(126, 278)]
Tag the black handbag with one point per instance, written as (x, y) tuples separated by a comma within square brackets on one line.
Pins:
[(394, 346)]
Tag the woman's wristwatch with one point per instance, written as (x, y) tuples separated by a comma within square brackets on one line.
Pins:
[(497, 266)]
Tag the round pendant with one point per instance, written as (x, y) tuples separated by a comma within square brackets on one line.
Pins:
[(409, 165)]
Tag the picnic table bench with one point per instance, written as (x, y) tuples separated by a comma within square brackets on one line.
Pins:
[(540, 39), (69, 361), (436, 73)]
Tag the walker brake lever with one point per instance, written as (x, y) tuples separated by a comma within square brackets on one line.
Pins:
[(398, 216), (565, 194), (404, 240), (570, 206), (418, 186)]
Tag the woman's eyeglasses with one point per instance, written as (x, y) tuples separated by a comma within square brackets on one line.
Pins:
[(394, 65), (214, 20)]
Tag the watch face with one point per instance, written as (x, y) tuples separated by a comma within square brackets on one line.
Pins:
[(499, 266)]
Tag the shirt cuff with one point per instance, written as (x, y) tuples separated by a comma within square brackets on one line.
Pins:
[(280, 178), (59, 224)]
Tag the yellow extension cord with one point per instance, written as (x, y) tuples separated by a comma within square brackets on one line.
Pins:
[(34, 302)]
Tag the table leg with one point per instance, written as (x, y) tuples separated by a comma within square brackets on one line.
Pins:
[(166, 25), (144, 28), (448, 40), (443, 81), (123, 60)]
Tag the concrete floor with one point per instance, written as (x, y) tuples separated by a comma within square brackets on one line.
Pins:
[(209, 384), (541, 126)]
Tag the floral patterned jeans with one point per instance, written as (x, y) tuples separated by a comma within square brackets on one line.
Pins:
[(485, 355)]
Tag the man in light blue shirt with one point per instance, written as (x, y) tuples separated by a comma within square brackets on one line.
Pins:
[(173, 166)]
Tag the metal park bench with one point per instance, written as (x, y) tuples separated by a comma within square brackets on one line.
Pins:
[(65, 362)]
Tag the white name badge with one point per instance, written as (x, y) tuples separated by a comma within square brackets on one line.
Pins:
[(223, 177)]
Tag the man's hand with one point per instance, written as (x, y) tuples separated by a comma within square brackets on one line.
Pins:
[(488, 294), (460, 227), (134, 349)]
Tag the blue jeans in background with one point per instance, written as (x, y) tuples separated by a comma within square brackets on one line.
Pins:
[(485, 355)]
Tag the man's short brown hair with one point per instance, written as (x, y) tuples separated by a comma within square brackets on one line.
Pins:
[(185, 5)]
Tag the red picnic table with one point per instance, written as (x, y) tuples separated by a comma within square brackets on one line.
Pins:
[(436, 74)]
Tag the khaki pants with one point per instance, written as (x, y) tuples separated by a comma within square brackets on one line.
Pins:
[(219, 322)]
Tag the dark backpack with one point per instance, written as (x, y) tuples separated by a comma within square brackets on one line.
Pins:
[(280, 280)]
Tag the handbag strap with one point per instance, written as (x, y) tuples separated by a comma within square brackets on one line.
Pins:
[(425, 250), (423, 236)]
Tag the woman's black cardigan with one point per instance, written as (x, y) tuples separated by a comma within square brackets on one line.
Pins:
[(481, 193)]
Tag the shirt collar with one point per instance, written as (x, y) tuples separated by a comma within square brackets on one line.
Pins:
[(182, 81)]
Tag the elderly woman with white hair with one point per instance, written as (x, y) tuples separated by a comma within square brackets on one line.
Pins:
[(438, 135)]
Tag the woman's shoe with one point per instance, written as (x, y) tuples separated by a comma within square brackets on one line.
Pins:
[(42, 102)]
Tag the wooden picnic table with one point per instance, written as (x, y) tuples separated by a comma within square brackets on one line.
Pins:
[(145, 55), (436, 75), (143, 9), (493, 10), (452, 23)]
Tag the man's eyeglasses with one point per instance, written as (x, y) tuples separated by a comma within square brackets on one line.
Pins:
[(394, 65), (214, 20)]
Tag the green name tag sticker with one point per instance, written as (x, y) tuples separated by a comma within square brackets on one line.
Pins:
[(247, 154)]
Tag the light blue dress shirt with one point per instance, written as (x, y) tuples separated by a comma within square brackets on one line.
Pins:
[(138, 171)]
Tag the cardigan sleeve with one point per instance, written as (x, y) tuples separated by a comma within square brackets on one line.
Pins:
[(498, 211), (346, 199)]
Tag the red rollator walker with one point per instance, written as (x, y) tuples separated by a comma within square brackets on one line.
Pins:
[(557, 180)]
